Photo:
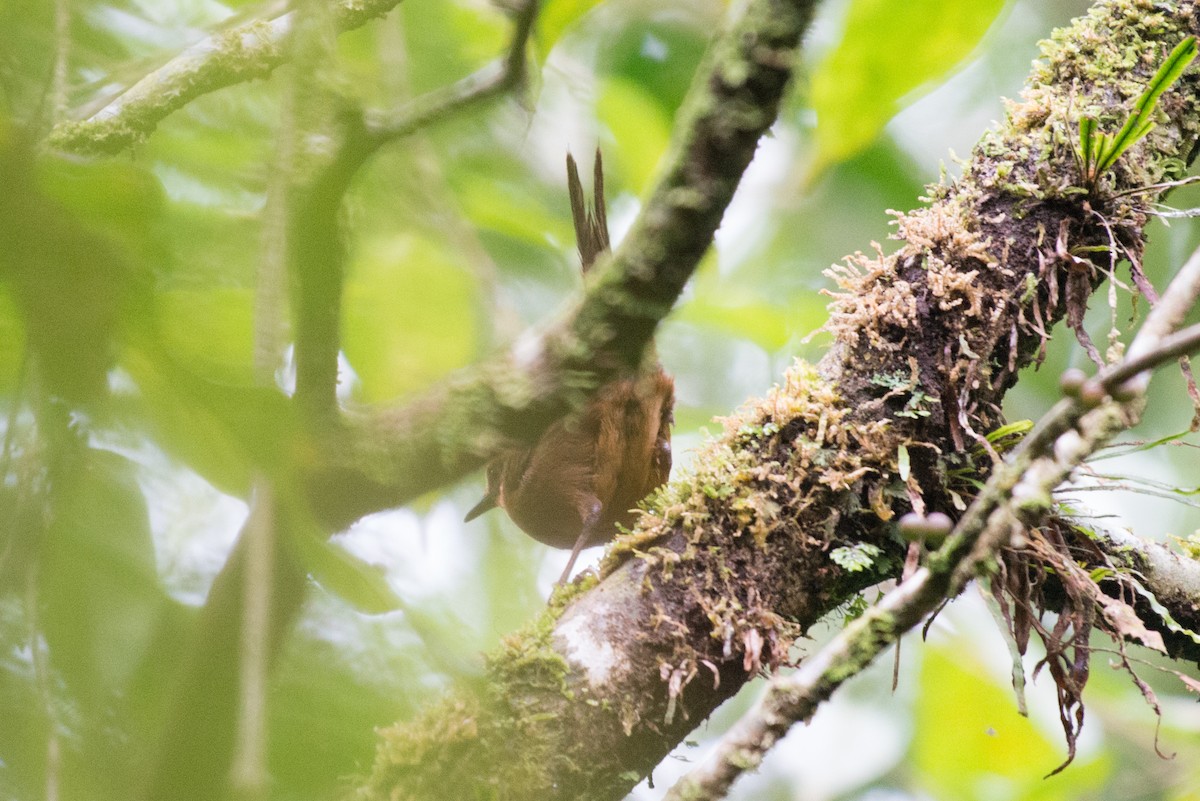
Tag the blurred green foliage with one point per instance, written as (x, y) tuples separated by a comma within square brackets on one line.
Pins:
[(974, 745), (136, 419), (888, 51)]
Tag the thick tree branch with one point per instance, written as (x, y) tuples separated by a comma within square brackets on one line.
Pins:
[(732, 563), (248, 51), (378, 459), (1016, 495)]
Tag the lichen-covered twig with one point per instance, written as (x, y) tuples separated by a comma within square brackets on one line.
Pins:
[(248, 51), (494, 79), (1015, 496)]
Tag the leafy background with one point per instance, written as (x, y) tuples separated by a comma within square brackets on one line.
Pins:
[(121, 506)]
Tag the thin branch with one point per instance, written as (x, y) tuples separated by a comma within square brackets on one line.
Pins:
[(1012, 498), (494, 79), (315, 249), (1165, 317), (246, 52), (249, 775)]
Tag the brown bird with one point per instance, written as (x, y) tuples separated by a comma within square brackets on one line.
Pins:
[(586, 473)]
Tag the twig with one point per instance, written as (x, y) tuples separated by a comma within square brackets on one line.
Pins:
[(249, 778), (249, 774), (316, 254), (249, 51), (1016, 494), (1164, 319), (494, 79)]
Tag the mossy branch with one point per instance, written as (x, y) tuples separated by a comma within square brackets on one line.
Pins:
[(730, 564), (381, 458), (243, 53), (1011, 500)]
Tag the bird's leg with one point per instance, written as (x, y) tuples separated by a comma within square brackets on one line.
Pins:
[(585, 533)]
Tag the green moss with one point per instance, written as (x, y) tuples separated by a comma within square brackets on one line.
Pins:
[(883, 630), (479, 725), (1116, 47)]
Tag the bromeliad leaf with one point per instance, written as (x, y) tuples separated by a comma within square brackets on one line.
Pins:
[(1099, 151)]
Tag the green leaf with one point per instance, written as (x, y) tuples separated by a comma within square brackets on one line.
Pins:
[(1105, 149), (888, 51), (1087, 130), (209, 329), (225, 432), (660, 52), (98, 584), (448, 40), (411, 316), (12, 343), (115, 199), (1139, 124), (555, 17), (505, 204), (765, 324), (970, 742), (327, 701), (363, 586), (1017, 428), (641, 127), (855, 558), (1119, 450), (71, 262)]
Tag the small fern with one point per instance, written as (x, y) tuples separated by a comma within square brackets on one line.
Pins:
[(1097, 151)]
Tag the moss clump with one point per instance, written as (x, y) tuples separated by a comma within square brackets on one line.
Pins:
[(761, 493), (440, 753), (1096, 67)]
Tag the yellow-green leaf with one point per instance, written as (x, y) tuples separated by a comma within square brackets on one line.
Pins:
[(971, 743), (362, 585), (410, 316), (889, 50), (766, 325), (555, 18), (210, 330), (641, 128)]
